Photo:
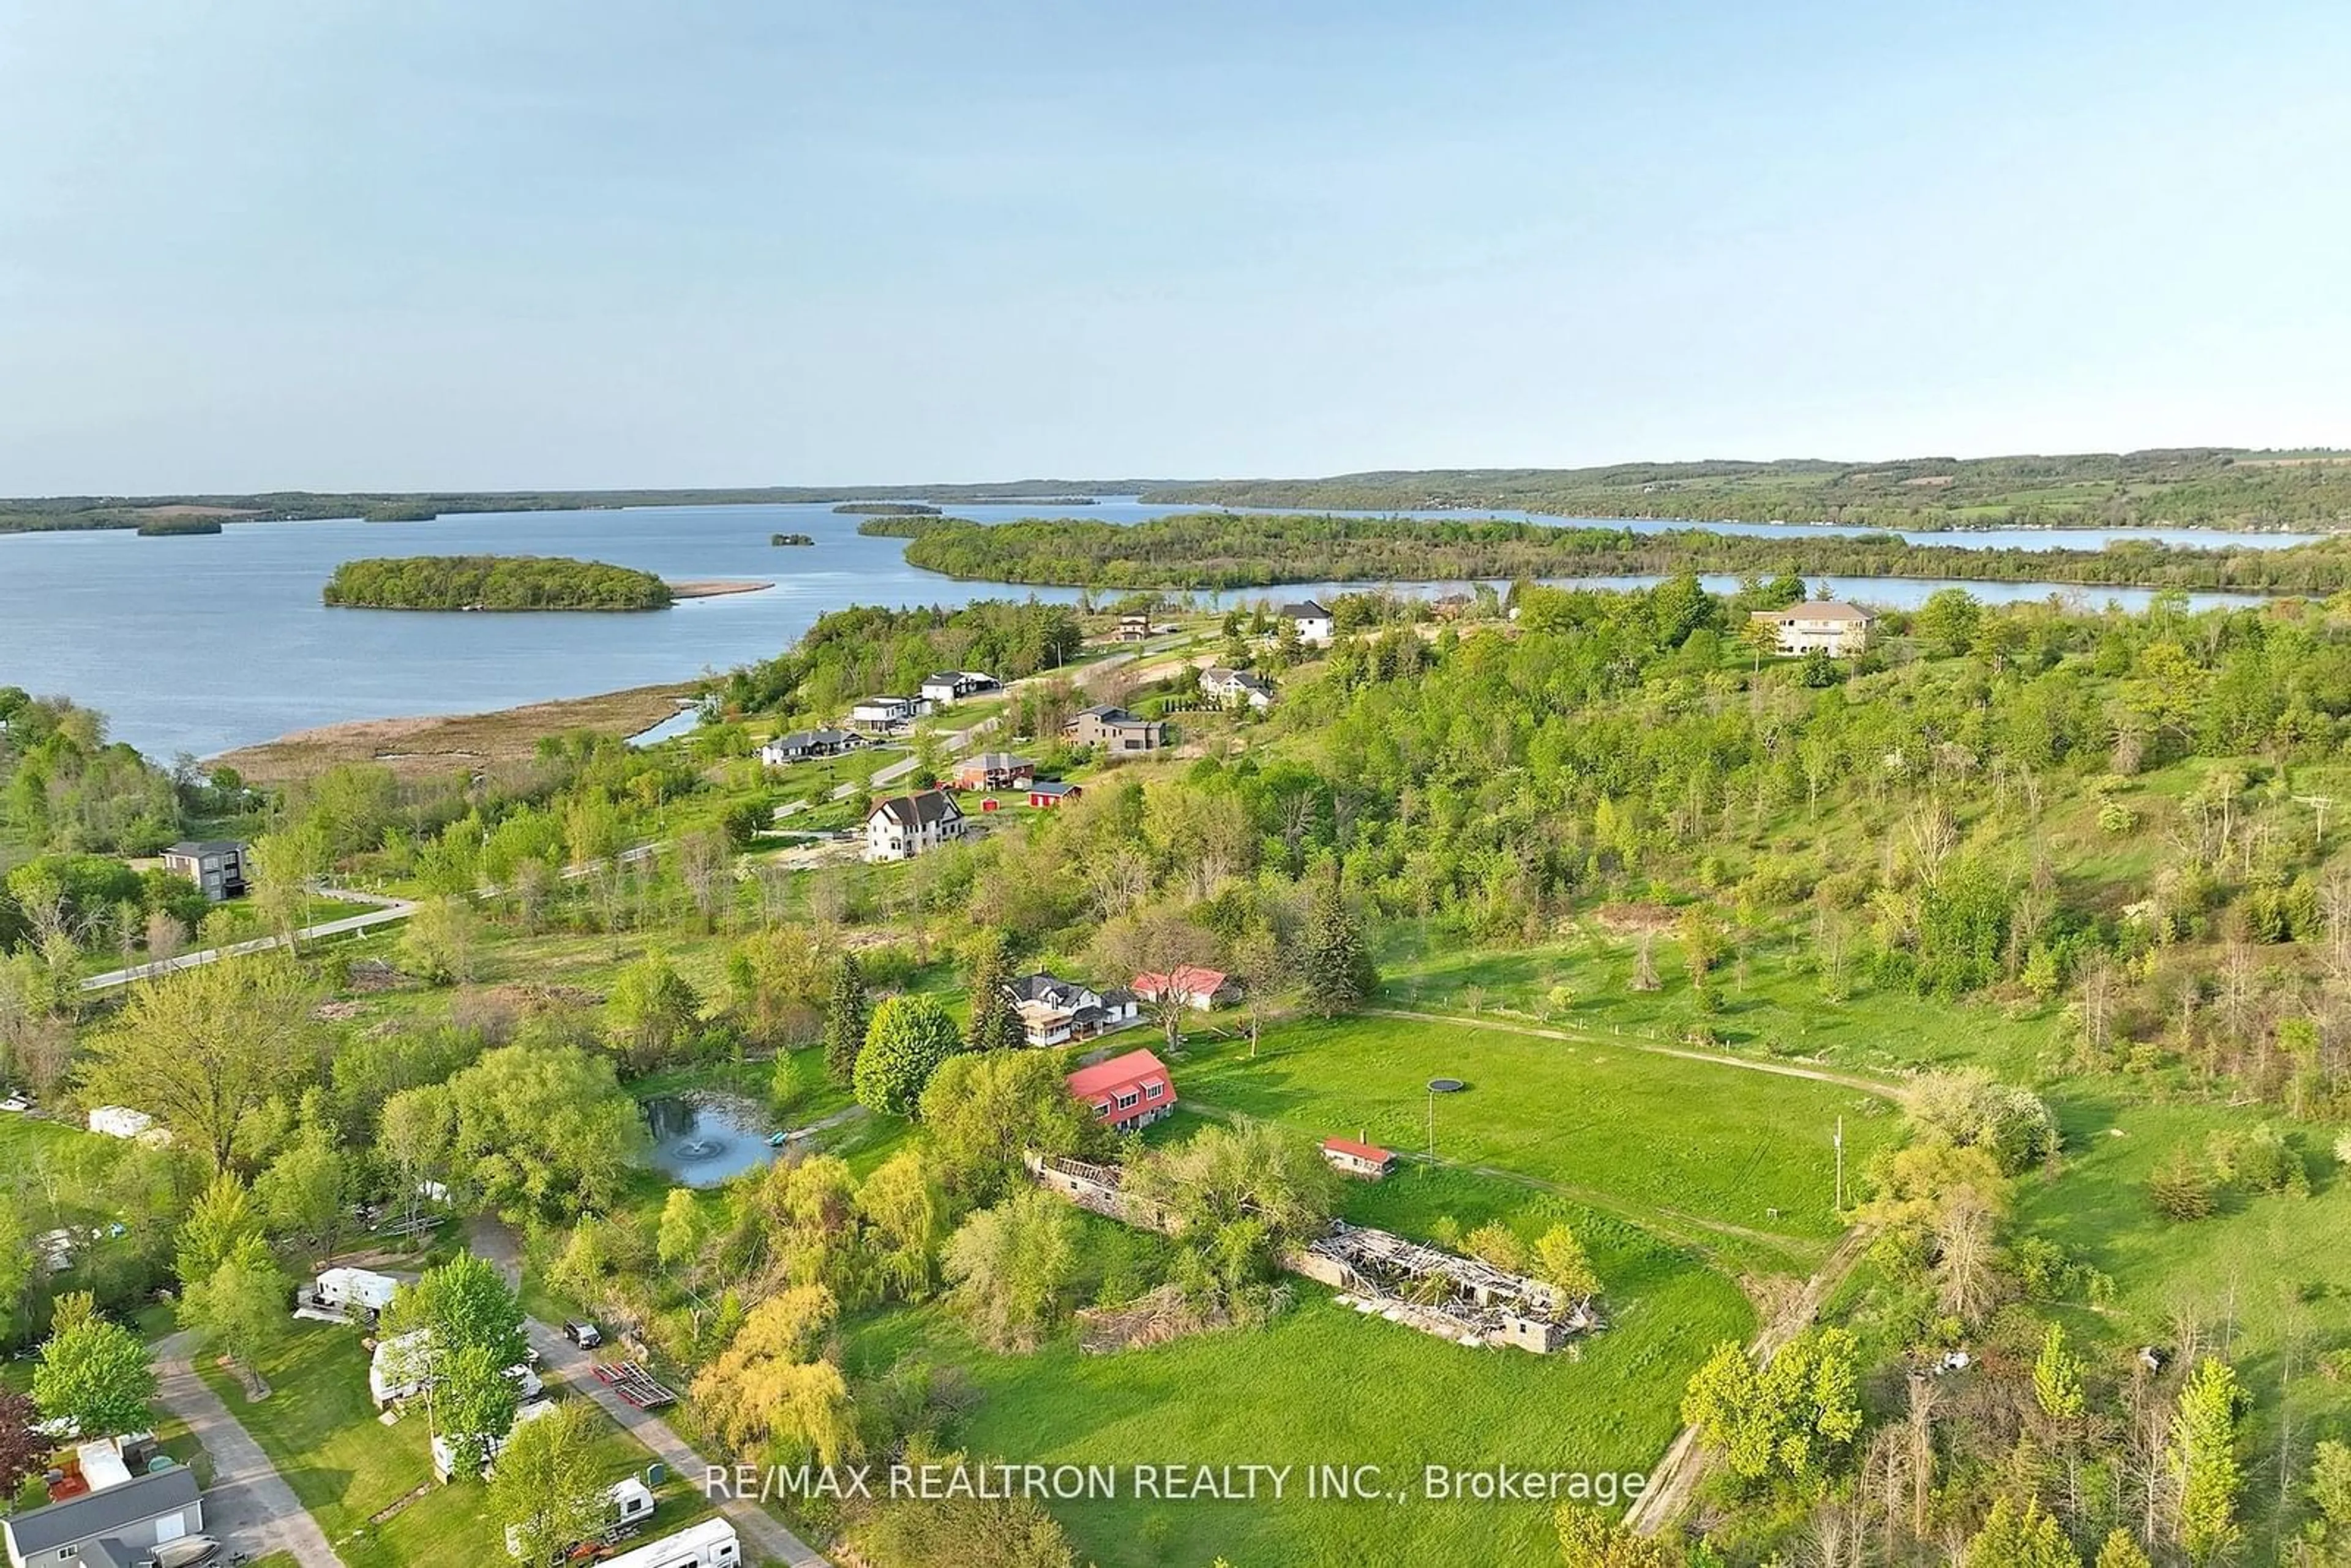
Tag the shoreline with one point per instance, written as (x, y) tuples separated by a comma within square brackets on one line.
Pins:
[(426, 744), (713, 587)]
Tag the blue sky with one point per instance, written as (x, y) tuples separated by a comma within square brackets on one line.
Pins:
[(505, 242)]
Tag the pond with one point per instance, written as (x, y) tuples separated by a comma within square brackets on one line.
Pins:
[(704, 1139)]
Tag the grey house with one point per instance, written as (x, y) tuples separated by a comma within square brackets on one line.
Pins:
[(217, 865), (116, 1527), (1115, 729)]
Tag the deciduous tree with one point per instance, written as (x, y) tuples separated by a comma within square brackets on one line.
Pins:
[(908, 1040), (93, 1372), (199, 1048), (547, 1489)]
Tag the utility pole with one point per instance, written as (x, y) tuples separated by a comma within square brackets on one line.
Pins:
[(1840, 1164), (2318, 805)]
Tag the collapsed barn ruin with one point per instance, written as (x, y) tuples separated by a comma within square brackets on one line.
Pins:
[(1464, 1299)]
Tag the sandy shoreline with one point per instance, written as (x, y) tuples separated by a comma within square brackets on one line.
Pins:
[(712, 588), (426, 744)]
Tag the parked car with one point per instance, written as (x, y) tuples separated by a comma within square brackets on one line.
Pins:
[(186, 1552), (586, 1336)]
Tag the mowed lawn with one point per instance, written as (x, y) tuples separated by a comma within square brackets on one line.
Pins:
[(1322, 1384), (1655, 1131), (322, 1433)]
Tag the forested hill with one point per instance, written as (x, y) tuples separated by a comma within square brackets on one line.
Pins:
[(2201, 486), (2225, 487), (493, 582), (1228, 550)]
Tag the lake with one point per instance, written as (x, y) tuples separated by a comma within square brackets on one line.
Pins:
[(204, 642)]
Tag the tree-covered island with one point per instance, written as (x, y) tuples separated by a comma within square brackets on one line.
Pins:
[(493, 582)]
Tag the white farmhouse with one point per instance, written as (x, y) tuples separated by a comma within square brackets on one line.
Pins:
[(906, 826)]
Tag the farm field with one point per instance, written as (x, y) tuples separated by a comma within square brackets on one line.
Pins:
[(1325, 1384), (322, 1433), (1667, 1136)]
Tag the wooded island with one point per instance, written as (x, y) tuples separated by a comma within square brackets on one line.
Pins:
[(493, 582)]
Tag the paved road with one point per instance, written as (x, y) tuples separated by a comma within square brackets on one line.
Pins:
[(249, 1507), (495, 1241), (387, 910)]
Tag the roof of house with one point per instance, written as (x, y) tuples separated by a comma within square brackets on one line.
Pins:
[(205, 847), (1041, 987), (1305, 610), (1372, 1152), (927, 809), (1055, 788), (994, 762), (1136, 1069), (802, 738), (944, 678), (97, 1513), (1817, 610), (1195, 980), (886, 700)]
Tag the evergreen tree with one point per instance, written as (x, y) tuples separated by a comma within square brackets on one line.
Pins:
[(2026, 1538), (845, 1018), (2121, 1552), (2205, 1462), (2057, 1378), (994, 1023), (1335, 963)]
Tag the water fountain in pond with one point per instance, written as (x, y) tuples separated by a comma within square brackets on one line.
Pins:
[(705, 1139)]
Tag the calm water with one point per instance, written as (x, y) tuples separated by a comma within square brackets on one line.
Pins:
[(708, 1138), (202, 644)]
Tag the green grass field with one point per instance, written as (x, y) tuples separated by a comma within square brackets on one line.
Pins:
[(1666, 1138), (1325, 1384), (320, 1431)]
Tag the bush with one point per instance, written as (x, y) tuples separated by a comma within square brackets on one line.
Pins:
[(1970, 1110), (2261, 1160)]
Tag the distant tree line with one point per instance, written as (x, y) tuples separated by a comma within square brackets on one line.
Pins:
[(2200, 486), (1228, 551), (493, 582)]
